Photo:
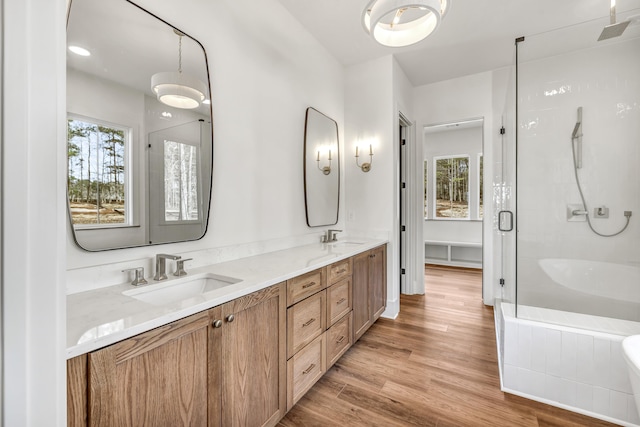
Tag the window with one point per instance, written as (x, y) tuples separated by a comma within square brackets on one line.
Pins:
[(480, 188), (97, 177), (452, 187), (180, 182), (426, 204)]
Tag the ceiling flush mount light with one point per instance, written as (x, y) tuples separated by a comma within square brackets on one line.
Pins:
[(178, 89), (398, 23)]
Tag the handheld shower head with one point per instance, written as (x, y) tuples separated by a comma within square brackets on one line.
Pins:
[(576, 129)]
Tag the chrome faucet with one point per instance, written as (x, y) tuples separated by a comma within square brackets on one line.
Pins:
[(330, 236), (161, 268)]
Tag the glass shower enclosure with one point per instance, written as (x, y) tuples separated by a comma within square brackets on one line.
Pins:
[(577, 177)]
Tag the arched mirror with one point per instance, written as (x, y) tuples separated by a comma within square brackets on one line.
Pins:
[(321, 169), (140, 136)]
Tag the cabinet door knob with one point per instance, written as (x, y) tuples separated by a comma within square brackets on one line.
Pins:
[(217, 323), (231, 318)]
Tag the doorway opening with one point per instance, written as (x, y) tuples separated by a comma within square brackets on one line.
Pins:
[(453, 196)]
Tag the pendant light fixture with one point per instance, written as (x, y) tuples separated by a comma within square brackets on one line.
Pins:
[(178, 89), (399, 23)]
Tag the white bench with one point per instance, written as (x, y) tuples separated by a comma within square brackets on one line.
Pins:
[(458, 254)]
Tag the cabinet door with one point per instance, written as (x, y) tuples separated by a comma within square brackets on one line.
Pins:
[(378, 281), (254, 358), (361, 299), (77, 391), (158, 378)]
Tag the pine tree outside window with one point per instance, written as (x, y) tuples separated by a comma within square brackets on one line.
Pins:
[(97, 179), (451, 190)]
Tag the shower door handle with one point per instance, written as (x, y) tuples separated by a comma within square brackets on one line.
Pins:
[(505, 221)]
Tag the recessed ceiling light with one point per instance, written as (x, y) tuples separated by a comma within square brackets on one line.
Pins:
[(79, 51), (206, 101)]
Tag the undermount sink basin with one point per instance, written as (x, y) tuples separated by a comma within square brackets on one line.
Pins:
[(345, 243), (179, 289)]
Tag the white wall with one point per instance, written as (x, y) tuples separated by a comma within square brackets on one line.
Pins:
[(33, 216), (456, 100), (369, 196), (266, 69)]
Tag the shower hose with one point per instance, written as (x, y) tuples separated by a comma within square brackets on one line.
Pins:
[(627, 214)]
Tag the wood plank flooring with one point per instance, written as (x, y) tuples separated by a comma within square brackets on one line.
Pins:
[(435, 365)]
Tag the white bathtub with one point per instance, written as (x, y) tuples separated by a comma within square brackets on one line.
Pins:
[(571, 367), (605, 279)]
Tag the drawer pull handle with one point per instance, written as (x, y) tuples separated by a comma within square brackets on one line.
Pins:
[(340, 340), (308, 322), (308, 285), (306, 371), (217, 323), (341, 301), (341, 271)]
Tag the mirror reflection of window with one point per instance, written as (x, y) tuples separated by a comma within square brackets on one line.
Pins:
[(97, 176), (180, 182)]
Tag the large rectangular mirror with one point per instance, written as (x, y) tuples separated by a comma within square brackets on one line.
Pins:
[(321, 169), (139, 137)]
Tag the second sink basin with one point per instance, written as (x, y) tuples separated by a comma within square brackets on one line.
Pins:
[(180, 289), (345, 243)]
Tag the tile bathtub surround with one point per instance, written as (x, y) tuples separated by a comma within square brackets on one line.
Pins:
[(103, 316), (569, 367)]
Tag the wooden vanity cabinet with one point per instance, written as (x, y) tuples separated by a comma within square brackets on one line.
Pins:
[(248, 354), (156, 378), (369, 288), (222, 367), (243, 363)]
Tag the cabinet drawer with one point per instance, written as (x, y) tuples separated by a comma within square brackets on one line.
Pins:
[(339, 270), (339, 339), (305, 321), (303, 286), (338, 300), (305, 368)]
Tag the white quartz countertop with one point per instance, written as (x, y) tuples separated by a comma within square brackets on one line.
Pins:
[(104, 316)]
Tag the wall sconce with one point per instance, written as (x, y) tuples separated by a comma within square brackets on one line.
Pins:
[(325, 169), (366, 167)]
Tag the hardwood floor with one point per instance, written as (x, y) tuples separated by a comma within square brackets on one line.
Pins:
[(435, 365)]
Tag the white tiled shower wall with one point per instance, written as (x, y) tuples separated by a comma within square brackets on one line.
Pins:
[(579, 370), (605, 81)]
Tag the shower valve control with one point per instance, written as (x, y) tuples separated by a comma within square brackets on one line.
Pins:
[(601, 212)]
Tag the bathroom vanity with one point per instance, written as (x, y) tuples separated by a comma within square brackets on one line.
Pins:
[(242, 354)]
